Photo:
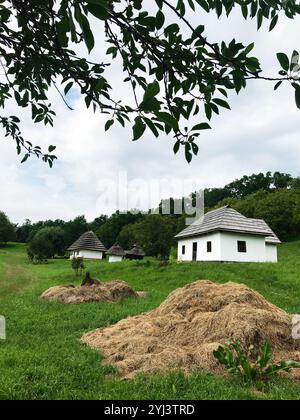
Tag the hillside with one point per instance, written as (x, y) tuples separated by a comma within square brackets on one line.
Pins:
[(42, 357)]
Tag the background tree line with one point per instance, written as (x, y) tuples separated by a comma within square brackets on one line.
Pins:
[(272, 197)]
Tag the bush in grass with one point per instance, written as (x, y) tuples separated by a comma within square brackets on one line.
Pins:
[(78, 265), (258, 372)]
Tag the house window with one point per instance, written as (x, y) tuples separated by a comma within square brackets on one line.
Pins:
[(195, 251), (183, 249), (209, 246), (242, 246)]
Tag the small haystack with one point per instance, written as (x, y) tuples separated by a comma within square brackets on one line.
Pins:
[(96, 292), (189, 325)]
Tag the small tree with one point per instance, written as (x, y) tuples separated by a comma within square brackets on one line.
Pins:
[(78, 265), (7, 229), (155, 234), (47, 243)]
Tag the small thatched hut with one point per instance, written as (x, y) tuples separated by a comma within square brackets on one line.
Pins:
[(88, 246), (115, 254), (136, 253)]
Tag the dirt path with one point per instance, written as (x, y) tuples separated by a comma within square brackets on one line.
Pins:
[(14, 274)]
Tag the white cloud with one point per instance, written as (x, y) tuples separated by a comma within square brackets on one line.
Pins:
[(260, 133)]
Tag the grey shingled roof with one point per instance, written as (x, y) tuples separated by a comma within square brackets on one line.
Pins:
[(116, 250), (272, 238), (136, 251), (227, 219), (89, 241)]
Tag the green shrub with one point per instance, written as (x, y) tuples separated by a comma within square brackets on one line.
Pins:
[(238, 363), (78, 265)]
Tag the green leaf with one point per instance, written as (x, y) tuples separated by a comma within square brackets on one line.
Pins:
[(177, 147), (138, 128), (4, 14), (274, 22), (249, 48), (195, 148), (39, 118), (277, 85), (208, 111), (99, 12), (191, 4), (295, 62), (284, 366), (188, 153), (265, 355), (68, 87), (204, 5), (244, 8), (150, 104), (25, 158), (202, 126), (168, 119), (254, 7), (222, 103), (61, 29), (51, 149), (72, 28), (152, 126), (108, 124), (87, 33), (284, 61), (173, 28), (160, 20), (152, 90), (260, 18), (297, 95)]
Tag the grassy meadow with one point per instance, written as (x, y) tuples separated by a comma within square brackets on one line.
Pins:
[(42, 357)]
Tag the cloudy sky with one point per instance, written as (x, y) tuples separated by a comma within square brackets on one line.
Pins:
[(261, 133)]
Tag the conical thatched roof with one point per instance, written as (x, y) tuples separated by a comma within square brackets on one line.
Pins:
[(117, 251), (226, 219), (137, 251), (88, 241)]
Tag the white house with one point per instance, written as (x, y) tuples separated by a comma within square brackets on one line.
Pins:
[(225, 235), (88, 246), (116, 254)]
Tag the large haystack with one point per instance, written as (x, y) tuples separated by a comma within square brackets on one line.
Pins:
[(192, 322), (103, 292)]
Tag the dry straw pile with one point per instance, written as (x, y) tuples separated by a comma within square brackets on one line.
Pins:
[(192, 322), (103, 292)]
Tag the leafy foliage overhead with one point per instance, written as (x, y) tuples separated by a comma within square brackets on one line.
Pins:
[(176, 73)]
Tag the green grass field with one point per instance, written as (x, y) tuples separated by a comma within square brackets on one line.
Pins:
[(43, 359)]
